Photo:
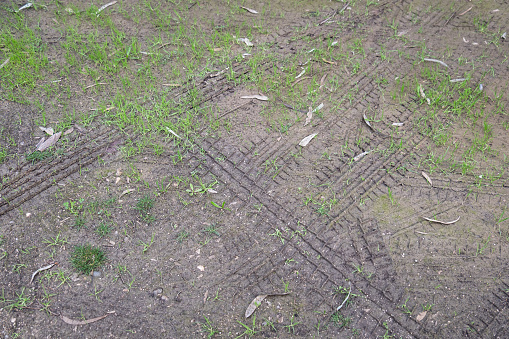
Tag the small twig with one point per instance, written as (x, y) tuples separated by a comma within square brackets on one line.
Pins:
[(453, 14), (334, 14), (465, 12), (299, 80), (104, 7)]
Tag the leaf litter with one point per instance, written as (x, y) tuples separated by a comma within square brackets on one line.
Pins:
[(255, 96), (103, 7), (427, 178), (249, 10), (81, 322), (48, 130), (304, 142), (42, 269), (50, 142), (257, 302), (442, 222), (362, 155)]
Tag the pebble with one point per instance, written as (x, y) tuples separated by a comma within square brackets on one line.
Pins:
[(96, 274)]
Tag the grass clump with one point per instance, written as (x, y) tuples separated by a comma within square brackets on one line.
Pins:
[(144, 205), (86, 258)]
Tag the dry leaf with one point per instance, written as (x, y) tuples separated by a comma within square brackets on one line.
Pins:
[(201, 268), (246, 41), (322, 80), (309, 116), (300, 74), (48, 130), (254, 304), (103, 7), (255, 96), (399, 124), (5, 62), (424, 95), (360, 156), (211, 191), (50, 142), (81, 322), (442, 222), (41, 269), (69, 131), (175, 134), (421, 316), (367, 121), (171, 85), (307, 139), (329, 62), (127, 191), (249, 10), (28, 5), (427, 178), (40, 142), (257, 301)]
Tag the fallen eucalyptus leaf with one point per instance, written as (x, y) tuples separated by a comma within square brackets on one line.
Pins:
[(40, 142), (246, 41), (127, 191), (307, 139), (309, 116), (103, 7), (442, 222), (399, 124), (254, 304), (48, 130), (421, 316), (28, 5), (255, 96), (437, 61), (427, 178), (300, 74), (5, 62), (249, 10), (81, 322), (360, 156), (50, 142), (257, 301), (42, 269), (175, 134), (69, 131)]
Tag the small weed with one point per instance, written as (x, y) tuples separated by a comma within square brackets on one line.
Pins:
[(86, 258), (79, 222), (291, 326), (221, 207), (146, 246), (405, 308), (427, 307), (144, 205), (56, 241), (212, 229), (38, 156), (183, 235), (207, 328), (21, 301), (103, 229), (340, 320), (249, 331)]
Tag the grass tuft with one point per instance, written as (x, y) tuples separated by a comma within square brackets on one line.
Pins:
[(86, 258)]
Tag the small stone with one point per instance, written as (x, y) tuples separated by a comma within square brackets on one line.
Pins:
[(157, 292), (28, 215), (165, 298), (96, 274), (201, 268)]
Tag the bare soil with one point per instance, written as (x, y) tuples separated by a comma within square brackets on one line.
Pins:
[(316, 222)]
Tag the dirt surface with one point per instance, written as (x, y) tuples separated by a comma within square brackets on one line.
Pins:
[(333, 232)]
